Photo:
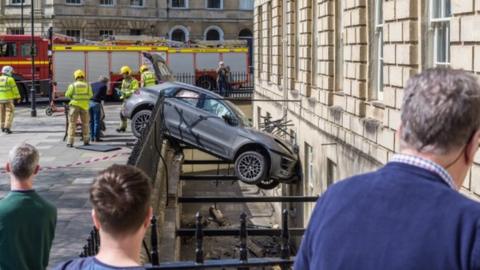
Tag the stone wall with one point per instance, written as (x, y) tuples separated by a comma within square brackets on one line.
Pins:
[(332, 62)]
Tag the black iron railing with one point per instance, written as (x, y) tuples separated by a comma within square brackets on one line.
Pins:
[(243, 262), (239, 84)]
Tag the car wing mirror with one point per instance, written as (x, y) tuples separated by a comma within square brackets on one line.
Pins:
[(230, 120)]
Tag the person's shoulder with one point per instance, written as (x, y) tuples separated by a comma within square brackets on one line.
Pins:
[(76, 264), (48, 206)]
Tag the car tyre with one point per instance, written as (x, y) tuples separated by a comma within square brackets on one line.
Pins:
[(206, 83), (268, 184), (140, 121), (251, 167)]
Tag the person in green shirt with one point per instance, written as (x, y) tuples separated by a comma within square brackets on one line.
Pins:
[(79, 93), (27, 221), (129, 86)]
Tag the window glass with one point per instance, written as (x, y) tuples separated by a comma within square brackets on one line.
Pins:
[(179, 3), (246, 4), (440, 12), (214, 106), (138, 3), (188, 96), (73, 1), (213, 35), (8, 49), (214, 3), (25, 48), (106, 2), (178, 35)]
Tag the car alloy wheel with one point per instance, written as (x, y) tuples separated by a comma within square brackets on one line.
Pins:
[(250, 167), (140, 121)]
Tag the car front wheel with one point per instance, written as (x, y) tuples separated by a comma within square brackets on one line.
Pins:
[(140, 121), (251, 167)]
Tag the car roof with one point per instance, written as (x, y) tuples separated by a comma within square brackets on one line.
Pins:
[(187, 86)]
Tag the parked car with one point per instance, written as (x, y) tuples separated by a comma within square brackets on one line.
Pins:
[(204, 120)]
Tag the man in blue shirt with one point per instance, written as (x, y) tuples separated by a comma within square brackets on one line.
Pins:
[(120, 196), (99, 90), (408, 214)]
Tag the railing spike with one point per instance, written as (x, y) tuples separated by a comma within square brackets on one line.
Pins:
[(243, 237), (154, 241), (199, 239), (285, 248)]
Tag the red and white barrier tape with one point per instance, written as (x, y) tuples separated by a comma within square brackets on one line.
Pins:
[(79, 163)]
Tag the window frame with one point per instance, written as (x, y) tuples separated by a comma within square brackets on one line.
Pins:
[(15, 49), (181, 28), (244, 6), (216, 28), (70, 2), (18, 4), (185, 7), (105, 30), (314, 42), (436, 23), (379, 43), (220, 8), (184, 100), (107, 5), (207, 97), (137, 6), (339, 58)]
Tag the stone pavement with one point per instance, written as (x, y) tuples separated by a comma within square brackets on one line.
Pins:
[(66, 187)]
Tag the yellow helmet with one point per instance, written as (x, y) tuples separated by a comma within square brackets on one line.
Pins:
[(143, 68), (125, 70), (78, 74)]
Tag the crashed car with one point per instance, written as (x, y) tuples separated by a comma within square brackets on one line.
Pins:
[(206, 121)]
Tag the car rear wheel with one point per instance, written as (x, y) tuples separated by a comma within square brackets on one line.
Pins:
[(268, 184), (140, 121), (206, 83), (251, 167)]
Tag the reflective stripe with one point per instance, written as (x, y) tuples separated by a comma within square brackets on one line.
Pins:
[(148, 78), (82, 94)]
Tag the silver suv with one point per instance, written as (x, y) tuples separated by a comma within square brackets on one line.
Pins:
[(208, 122)]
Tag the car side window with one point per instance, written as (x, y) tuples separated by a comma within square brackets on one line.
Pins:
[(216, 107), (189, 97)]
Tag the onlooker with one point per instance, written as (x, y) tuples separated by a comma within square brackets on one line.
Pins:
[(120, 196), (99, 90), (408, 214), (222, 74), (27, 221)]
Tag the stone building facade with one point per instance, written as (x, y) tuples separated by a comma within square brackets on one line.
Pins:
[(343, 64), (91, 19)]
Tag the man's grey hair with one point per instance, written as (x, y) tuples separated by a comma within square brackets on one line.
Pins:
[(441, 110), (23, 160), (103, 78)]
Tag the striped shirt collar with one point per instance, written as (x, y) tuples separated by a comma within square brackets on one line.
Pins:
[(425, 164)]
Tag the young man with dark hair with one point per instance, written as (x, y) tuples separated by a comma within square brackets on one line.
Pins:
[(27, 221), (120, 196)]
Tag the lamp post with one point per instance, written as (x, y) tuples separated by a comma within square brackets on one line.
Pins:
[(33, 111), (21, 17)]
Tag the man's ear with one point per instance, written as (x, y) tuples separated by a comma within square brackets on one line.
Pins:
[(7, 168), (37, 169), (146, 222), (472, 147), (96, 222)]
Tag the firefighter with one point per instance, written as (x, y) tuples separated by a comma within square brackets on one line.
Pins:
[(79, 93), (147, 78), (8, 93), (129, 86)]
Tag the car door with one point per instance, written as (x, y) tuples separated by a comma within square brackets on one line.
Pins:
[(214, 132), (181, 115)]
